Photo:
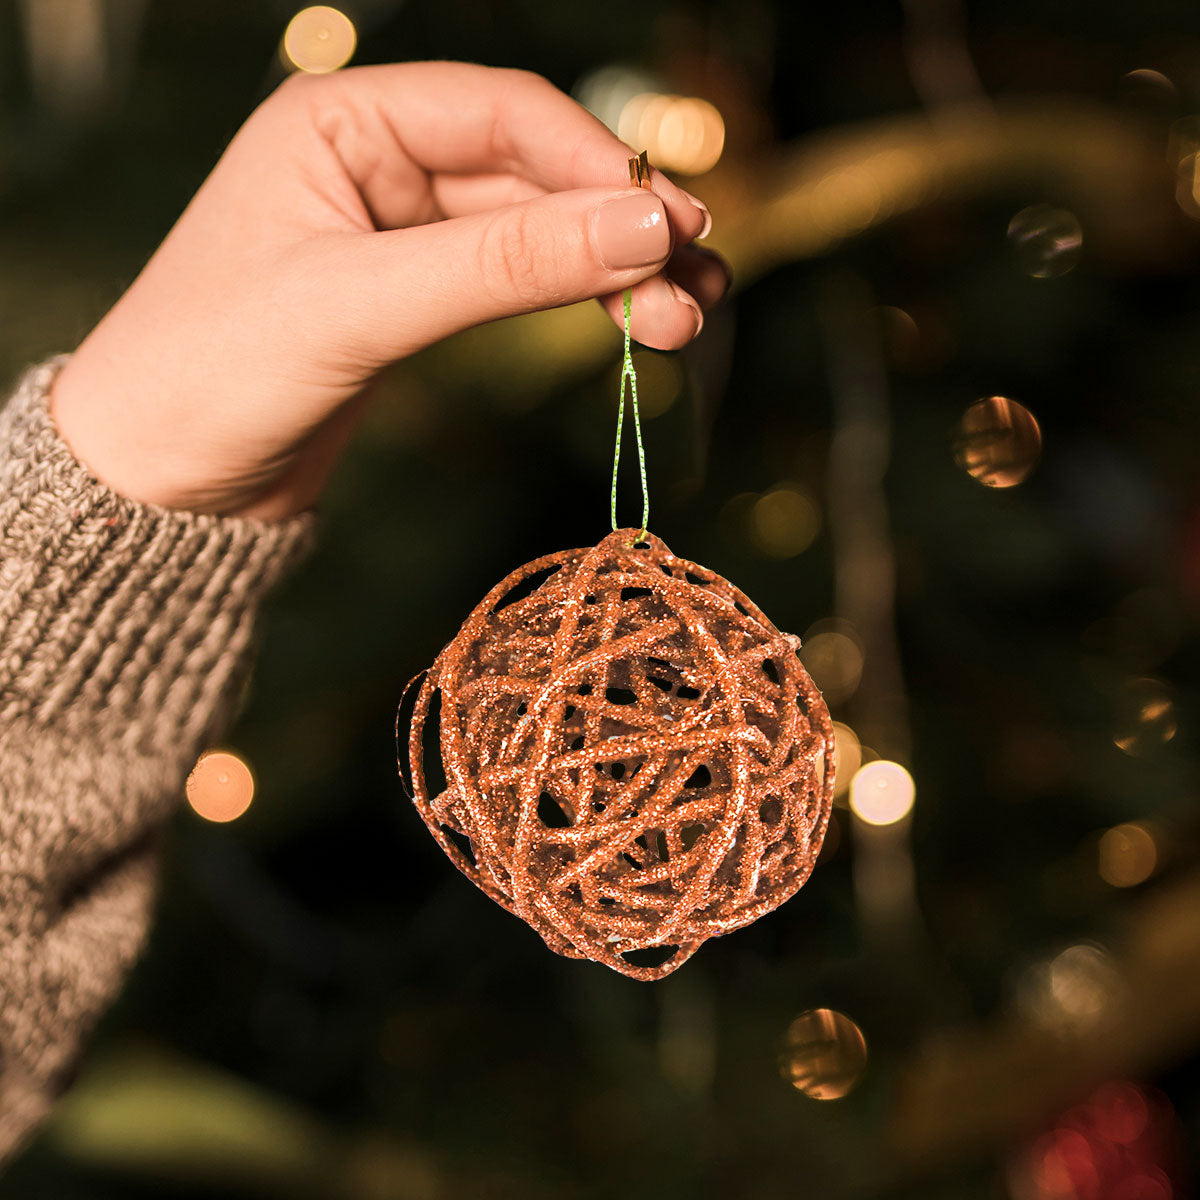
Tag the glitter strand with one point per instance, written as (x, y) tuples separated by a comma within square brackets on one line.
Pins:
[(627, 372)]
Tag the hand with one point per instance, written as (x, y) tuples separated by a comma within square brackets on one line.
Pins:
[(354, 219)]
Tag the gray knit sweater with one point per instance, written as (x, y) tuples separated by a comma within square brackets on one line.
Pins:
[(125, 636)]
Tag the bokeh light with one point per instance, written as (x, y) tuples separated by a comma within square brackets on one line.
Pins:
[(1112, 1146), (1046, 240), (659, 381), (606, 91), (1145, 717), (1082, 980), (220, 787), (901, 336), (847, 757), (832, 655), (784, 522), (1120, 1112), (318, 39), (734, 518), (998, 442), (678, 133), (845, 201), (882, 793), (1064, 1167), (1128, 855), (1147, 86), (1073, 993), (1143, 629), (1183, 149), (825, 1054)]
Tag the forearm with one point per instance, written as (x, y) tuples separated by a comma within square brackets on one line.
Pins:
[(125, 637)]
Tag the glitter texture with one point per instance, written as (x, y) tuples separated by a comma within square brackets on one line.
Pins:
[(635, 759)]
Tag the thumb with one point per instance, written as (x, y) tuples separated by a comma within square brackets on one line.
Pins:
[(408, 288)]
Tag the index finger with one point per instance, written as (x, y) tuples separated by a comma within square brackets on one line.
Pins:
[(461, 118)]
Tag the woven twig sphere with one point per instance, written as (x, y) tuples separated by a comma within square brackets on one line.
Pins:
[(635, 759)]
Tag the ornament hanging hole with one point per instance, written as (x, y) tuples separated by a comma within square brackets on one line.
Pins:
[(650, 956), (461, 842), (551, 813), (432, 766), (771, 671), (526, 587)]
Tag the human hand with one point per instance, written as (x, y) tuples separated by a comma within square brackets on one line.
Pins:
[(353, 220)]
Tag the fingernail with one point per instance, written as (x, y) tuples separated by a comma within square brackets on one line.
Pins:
[(684, 298), (702, 209), (632, 231)]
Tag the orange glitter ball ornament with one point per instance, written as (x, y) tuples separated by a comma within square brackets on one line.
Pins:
[(635, 759)]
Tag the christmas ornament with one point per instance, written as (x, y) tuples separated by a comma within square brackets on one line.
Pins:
[(635, 758)]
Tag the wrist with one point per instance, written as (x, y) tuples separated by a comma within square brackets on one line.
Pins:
[(91, 421)]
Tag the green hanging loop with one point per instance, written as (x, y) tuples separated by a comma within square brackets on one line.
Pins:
[(627, 372)]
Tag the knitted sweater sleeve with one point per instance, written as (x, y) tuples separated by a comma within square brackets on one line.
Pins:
[(125, 638)]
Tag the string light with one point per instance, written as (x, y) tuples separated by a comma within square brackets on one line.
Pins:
[(1183, 145), (848, 756), (1150, 93), (845, 201), (220, 787), (1075, 992), (1146, 717), (318, 39), (1128, 855), (660, 381), (825, 1054), (784, 522), (678, 133), (998, 442), (882, 793), (1046, 240), (833, 657), (605, 92)]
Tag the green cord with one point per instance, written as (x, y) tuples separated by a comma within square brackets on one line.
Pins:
[(627, 372)]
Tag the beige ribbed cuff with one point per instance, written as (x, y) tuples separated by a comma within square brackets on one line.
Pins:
[(114, 607)]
